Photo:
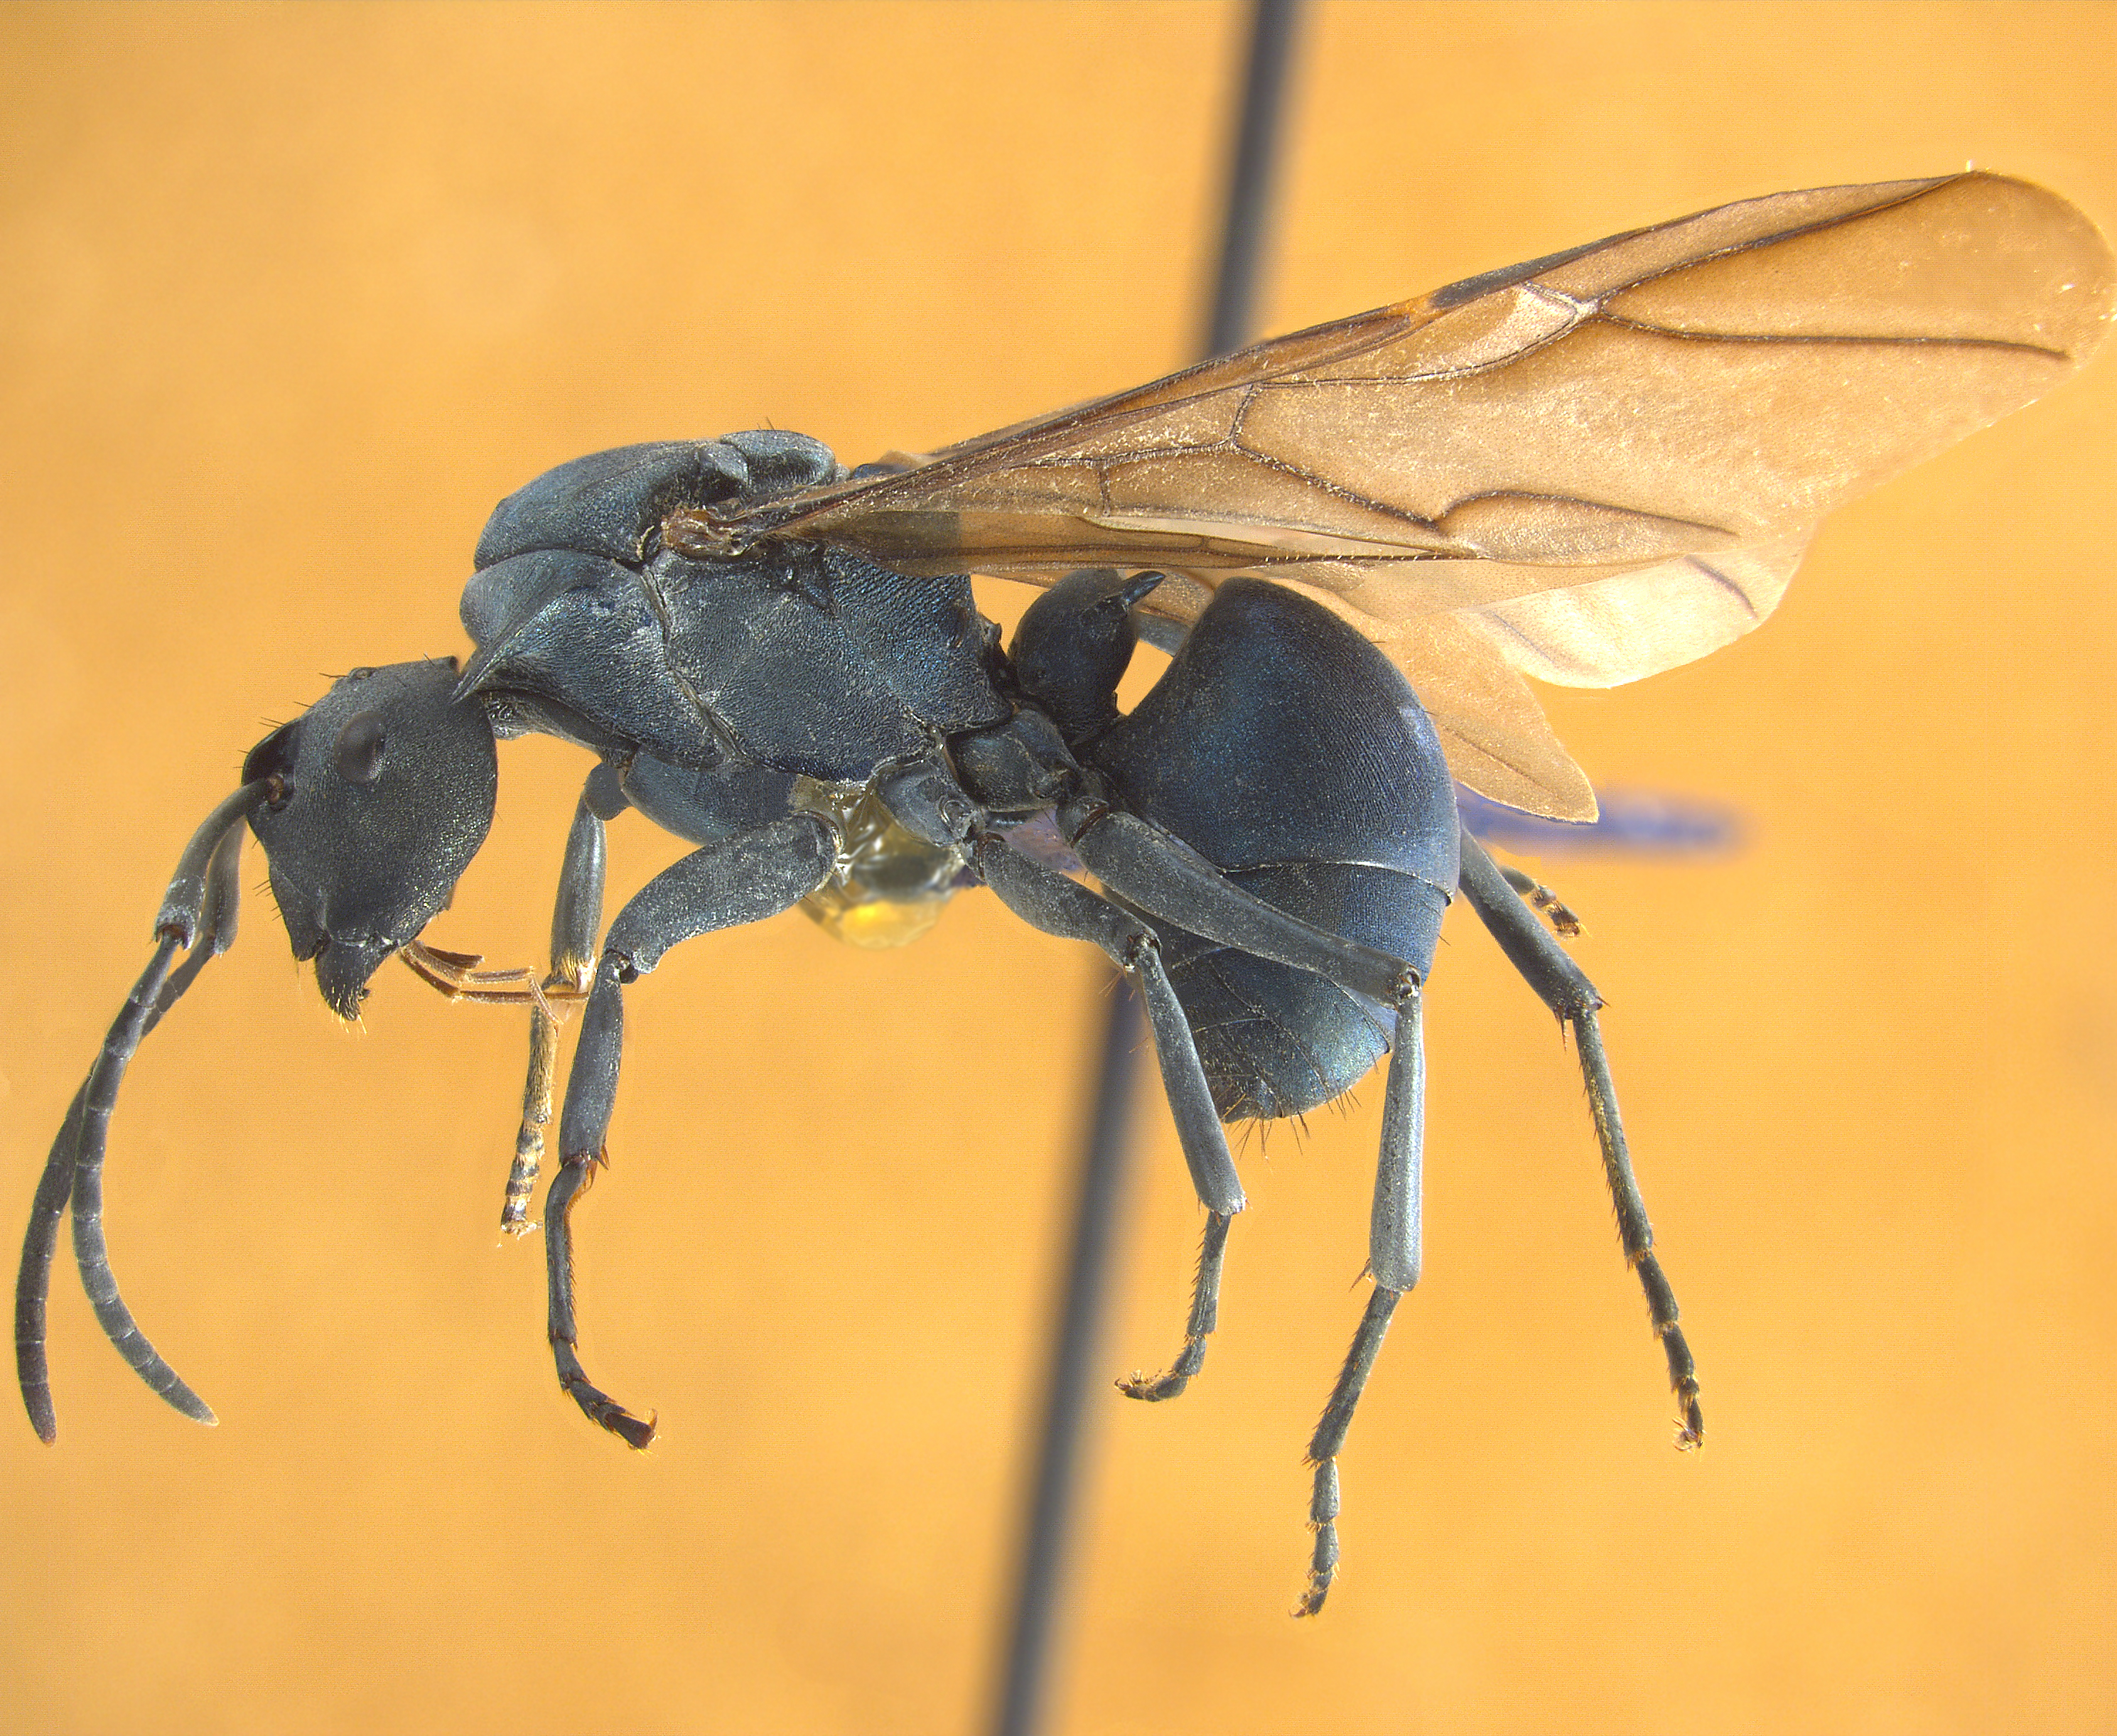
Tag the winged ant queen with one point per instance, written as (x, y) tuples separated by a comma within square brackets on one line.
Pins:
[(1355, 540)]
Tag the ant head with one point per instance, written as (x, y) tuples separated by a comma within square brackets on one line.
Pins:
[(384, 791)]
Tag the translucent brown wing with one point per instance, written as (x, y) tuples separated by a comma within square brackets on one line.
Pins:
[(1588, 468)]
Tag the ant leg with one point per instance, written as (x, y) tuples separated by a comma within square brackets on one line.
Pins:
[(1541, 897), (602, 1033), (1393, 1260), (1198, 1325), (1166, 877), (536, 1118), (1562, 986), (576, 919), (741, 879), (1047, 899), (1329, 1437)]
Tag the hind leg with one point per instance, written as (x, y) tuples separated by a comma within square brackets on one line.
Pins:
[(1562, 986), (1393, 1259)]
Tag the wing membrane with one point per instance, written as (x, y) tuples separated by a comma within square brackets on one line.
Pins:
[(1587, 469)]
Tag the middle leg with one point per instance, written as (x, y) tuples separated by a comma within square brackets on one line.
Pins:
[(1047, 899), (741, 879), (1152, 868)]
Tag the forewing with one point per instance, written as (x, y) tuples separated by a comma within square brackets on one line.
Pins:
[(1593, 467)]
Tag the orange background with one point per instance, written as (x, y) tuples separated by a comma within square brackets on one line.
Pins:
[(289, 295)]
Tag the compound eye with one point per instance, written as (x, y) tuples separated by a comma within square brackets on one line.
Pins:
[(357, 753)]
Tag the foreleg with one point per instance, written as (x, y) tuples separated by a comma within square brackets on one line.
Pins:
[(576, 920)]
